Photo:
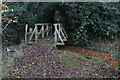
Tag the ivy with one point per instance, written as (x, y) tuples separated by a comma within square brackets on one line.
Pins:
[(93, 20)]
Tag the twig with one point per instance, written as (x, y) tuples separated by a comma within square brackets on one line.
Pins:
[(3, 28)]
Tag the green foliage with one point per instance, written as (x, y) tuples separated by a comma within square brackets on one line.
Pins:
[(84, 21), (28, 13), (97, 59), (93, 20), (67, 60)]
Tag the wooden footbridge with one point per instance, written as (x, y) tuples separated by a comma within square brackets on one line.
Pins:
[(42, 30)]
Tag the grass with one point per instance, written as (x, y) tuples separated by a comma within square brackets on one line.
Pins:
[(52, 43), (68, 60), (54, 48), (97, 59)]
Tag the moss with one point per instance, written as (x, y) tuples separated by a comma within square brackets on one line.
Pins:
[(55, 48), (70, 53), (52, 43), (97, 59), (68, 60)]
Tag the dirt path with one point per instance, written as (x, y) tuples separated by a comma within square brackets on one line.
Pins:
[(107, 57), (43, 61), (46, 61)]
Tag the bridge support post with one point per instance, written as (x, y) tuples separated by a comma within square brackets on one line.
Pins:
[(26, 27), (36, 33), (42, 31), (59, 28), (55, 33), (59, 34), (32, 34), (47, 30)]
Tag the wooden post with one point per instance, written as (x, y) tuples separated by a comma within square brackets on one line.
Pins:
[(36, 33), (26, 27), (64, 31), (42, 31), (32, 34), (55, 33), (47, 30), (59, 28)]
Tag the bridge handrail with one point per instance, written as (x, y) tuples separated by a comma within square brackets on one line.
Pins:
[(44, 29), (43, 24), (60, 33)]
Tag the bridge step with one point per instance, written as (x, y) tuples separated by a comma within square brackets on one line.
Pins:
[(60, 43), (64, 39)]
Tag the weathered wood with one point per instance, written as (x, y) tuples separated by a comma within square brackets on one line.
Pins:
[(55, 36), (47, 30), (64, 31), (26, 27), (36, 35), (60, 43), (61, 30), (42, 31), (43, 24), (56, 30), (32, 34)]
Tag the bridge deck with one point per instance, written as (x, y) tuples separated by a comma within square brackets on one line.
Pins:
[(49, 39), (46, 40)]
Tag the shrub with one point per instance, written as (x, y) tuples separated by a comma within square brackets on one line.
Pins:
[(92, 20)]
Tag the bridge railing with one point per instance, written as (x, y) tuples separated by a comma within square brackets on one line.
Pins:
[(44, 29), (60, 34), (40, 30)]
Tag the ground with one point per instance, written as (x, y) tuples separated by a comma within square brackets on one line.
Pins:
[(46, 61), (95, 55)]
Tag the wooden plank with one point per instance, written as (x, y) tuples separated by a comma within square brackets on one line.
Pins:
[(32, 34), (47, 30), (64, 38), (42, 31), (55, 33), (43, 24), (26, 27), (58, 33), (59, 28), (60, 43), (55, 36), (36, 35), (64, 31)]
